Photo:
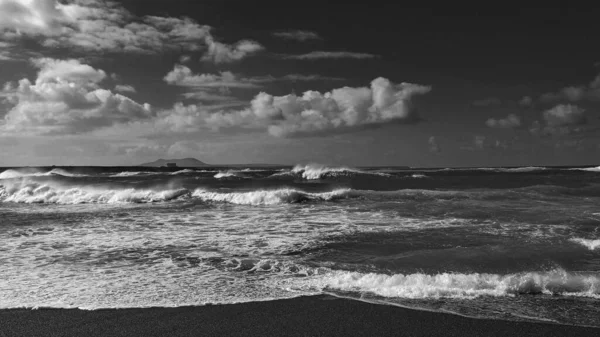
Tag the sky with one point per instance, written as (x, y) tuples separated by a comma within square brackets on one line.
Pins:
[(95, 82)]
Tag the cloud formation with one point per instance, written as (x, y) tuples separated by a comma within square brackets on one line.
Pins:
[(106, 26), (511, 121), (562, 119), (216, 87), (574, 93), (312, 113), (222, 53), (318, 55), (298, 35), (66, 98)]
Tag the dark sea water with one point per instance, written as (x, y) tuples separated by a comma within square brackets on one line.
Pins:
[(517, 244)]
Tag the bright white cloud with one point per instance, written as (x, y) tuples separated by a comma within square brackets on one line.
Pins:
[(106, 26), (32, 16), (66, 98), (313, 112), (298, 35), (511, 121), (316, 55)]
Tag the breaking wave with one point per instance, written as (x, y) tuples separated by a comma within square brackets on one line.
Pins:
[(270, 197), (133, 174), (13, 174), (317, 171), (463, 286), (590, 244), (32, 192), (228, 174), (185, 171)]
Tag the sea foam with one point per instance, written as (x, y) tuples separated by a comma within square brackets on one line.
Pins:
[(464, 286), (590, 244)]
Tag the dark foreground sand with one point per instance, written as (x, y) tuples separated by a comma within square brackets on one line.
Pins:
[(305, 316)]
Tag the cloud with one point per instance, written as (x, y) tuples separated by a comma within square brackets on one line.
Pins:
[(183, 76), (560, 120), (66, 98), (490, 101), (32, 17), (298, 35), (312, 113), (106, 26), (574, 93), (222, 53), (124, 88), (317, 55), (511, 121), (565, 114), (433, 145), (216, 87)]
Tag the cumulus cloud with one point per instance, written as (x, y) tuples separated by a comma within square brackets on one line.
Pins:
[(565, 114), (298, 35), (32, 17), (106, 26), (490, 101), (124, 88), (222, 53), (317, 55), (433, 145), (312, 113), (511, 121), (66, 98)]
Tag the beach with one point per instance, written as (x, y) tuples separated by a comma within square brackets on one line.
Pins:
[(303, 316)]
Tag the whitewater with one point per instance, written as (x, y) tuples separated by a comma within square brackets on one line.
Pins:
[(503, 243)]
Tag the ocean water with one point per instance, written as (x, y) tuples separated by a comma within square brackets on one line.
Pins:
[(516, 243)]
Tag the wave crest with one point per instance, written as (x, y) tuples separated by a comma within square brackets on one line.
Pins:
[(32, 192), (318, 171), (270, 197), (465, 286), (14, 174), (590, 244)]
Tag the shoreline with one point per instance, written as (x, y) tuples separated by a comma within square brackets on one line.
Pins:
[(321, 315)]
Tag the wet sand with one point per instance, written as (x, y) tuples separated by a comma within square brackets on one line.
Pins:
[(303, 316)]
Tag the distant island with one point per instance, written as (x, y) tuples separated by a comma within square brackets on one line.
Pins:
[(185, 162)]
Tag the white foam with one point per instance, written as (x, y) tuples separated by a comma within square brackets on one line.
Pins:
[(456, 285), (185, 171), (589, 169), (13, 174), (418, 176), (32, 192), (132, 174), (318, 171), (590, 244), (228, 174), (269, 197)]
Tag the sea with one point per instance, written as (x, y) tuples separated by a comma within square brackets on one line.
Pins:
[(520, 244)]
